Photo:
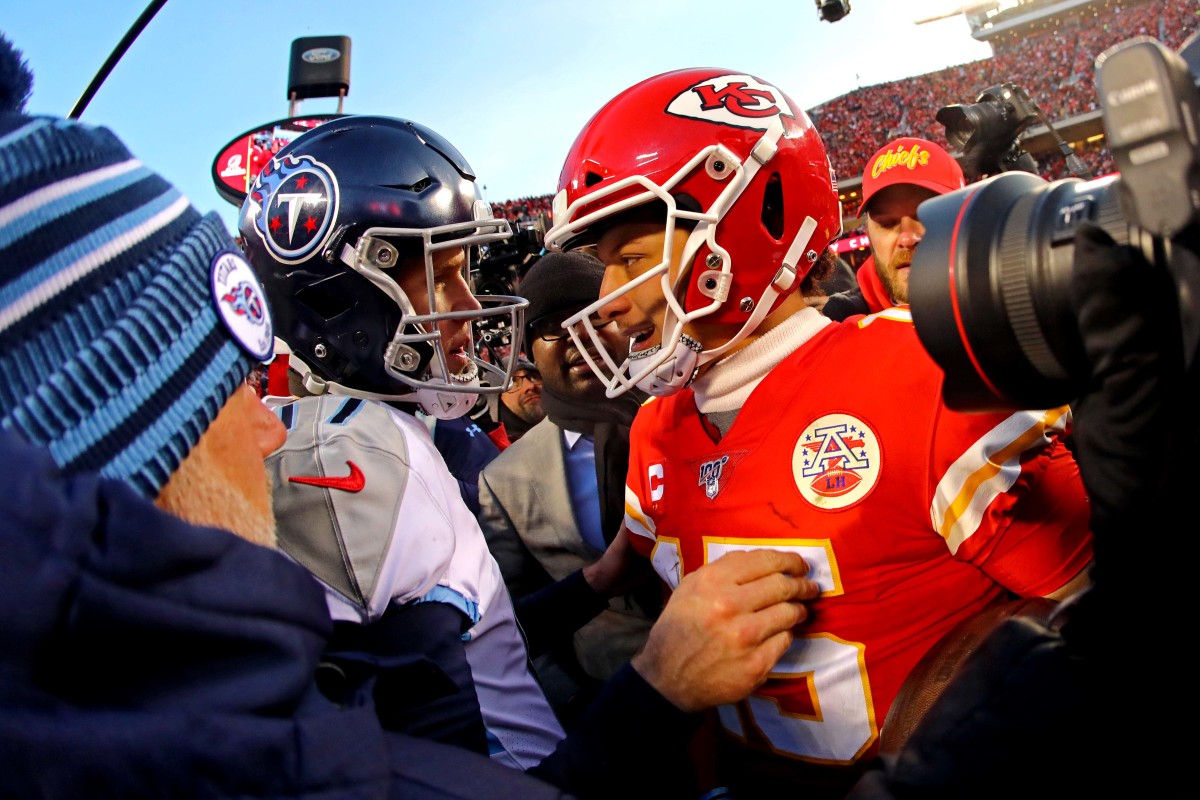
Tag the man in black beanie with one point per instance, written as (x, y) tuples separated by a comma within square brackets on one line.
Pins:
[(553, 502)]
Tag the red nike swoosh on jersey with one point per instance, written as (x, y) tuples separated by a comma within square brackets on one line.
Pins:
[(354, 482)]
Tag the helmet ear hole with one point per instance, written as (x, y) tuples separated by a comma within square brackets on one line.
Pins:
[(772, 207), (326, 305)]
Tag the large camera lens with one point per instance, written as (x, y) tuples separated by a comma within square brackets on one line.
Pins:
[(989, 287)]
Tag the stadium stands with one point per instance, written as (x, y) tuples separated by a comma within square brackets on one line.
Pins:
[(1047, 47)]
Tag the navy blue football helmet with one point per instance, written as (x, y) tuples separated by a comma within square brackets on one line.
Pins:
[(331, 226)]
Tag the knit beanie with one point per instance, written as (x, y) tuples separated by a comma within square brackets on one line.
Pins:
[(128, 319), (558, 282)]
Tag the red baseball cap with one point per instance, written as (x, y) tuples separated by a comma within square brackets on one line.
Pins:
[(909, 160)]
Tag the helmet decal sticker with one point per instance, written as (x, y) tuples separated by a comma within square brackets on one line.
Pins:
[(738, 100), (296, 203)]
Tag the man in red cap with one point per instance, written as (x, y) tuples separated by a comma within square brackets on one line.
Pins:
[(898, 178)]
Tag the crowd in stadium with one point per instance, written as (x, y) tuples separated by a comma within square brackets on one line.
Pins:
[(1055, 66)]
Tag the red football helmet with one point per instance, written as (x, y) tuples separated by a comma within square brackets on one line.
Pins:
[(724, 151)]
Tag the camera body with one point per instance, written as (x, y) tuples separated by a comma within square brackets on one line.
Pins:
[(832, 10), (989, 287), (499, 272), (986, 131)]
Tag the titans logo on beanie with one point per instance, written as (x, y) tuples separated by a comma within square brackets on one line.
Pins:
[(128, 318)]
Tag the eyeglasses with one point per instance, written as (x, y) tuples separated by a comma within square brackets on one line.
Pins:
[(550, 329), (535, 380)]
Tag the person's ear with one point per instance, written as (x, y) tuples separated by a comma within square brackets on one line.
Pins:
[(267, 431)]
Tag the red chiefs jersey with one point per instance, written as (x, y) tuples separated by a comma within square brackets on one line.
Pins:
[(906, 512)]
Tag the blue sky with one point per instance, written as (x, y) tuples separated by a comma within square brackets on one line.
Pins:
[(510, 84)]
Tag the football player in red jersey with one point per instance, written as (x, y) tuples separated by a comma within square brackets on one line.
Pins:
[(708, 195)]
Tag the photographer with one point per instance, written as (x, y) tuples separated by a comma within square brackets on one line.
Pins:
[(1049, 693), (1086, 290)]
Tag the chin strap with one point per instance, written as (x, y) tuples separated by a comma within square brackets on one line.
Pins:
[(783, 283), (676, 372), (680, 369)]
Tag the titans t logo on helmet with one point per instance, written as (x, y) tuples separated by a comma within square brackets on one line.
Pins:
[(295, 202)]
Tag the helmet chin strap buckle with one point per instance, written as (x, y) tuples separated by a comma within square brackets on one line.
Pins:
[(791, 259), (784, 278), (676, 372), (315, 385)]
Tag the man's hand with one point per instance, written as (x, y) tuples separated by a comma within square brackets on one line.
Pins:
[(725, 627), (619, 570)]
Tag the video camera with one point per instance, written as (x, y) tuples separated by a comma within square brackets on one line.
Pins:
[(832, 10), (498, 272), (989, 287), (986, 132)]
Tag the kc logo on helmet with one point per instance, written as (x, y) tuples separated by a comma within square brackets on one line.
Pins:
[(294, 205), (742, 101)]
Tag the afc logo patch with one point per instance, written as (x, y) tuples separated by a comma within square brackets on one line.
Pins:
[(836, 461), (294, 206), (742, 101)]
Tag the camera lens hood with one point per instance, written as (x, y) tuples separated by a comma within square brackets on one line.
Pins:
[(989, 288)]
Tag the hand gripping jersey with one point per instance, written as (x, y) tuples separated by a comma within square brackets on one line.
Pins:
[(912, 517), (366, 503)]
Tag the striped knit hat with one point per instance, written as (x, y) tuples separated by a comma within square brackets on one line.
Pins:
[(128, 320)]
